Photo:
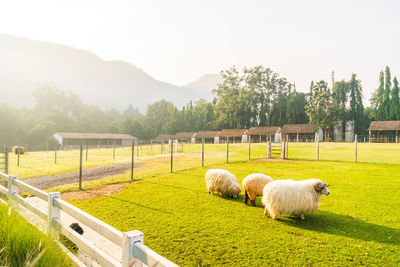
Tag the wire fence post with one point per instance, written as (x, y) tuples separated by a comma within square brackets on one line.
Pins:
[(227, 149), (18, 155), (113, 150), (137, 148), (6, 159), (182, 146), (172, 154), (355, 143), (287, 149), (55, 154), (80, 166), (162, 146), (269, 150), (202, 152), (317, 147), (87, 151), (249, 147), (151, 145), (132, 158)]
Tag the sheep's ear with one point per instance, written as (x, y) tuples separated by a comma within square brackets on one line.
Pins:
[(319, 187)]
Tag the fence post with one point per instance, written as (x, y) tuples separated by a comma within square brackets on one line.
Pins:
[(12, 189), (86, 151), (132, 159), (227, 149), (172, 154), (283, 150), (287, 150), (202, 152), (182, 146), (52, 213), (318, 148), (80, 167), (18, 155), (47, 147), (5, 159), (151, 145), (269, 150), (128, 245), (137, 148), (55, 154), (162, 146), (113, 150), (355, 143), (249, 147)]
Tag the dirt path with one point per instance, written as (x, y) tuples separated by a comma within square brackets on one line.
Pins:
[(88, 174)]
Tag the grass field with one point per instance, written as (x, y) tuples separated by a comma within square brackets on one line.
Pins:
[(18, 239), (357, 224)]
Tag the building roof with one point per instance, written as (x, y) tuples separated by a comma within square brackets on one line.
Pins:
[(270, 130), (207, 134), (384, 126), (97, 136), (298, 128), (164, 137), (184, 135), (232, 132)]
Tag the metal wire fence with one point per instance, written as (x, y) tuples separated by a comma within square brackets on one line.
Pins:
[(55, 166)]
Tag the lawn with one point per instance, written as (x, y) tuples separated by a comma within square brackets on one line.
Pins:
[(358, 223)]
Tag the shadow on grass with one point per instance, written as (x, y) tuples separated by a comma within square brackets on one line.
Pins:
[(347, 226)]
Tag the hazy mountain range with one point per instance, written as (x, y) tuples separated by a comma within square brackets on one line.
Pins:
[(26, 64)]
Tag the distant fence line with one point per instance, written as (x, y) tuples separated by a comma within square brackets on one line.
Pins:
[(134, 252)]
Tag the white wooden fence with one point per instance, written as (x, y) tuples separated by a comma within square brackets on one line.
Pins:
[(134, 252)]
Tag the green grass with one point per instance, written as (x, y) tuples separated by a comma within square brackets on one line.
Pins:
[(357, 224), (18, 238)]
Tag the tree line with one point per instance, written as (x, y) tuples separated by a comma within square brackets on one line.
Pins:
[(254, 96)]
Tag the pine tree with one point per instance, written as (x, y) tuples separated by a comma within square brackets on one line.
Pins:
[(395, 101), (377, 98), (386, 95)]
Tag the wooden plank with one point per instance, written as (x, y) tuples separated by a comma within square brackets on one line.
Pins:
[(86, 246), (20, 200), (99, 226), (150, 257), (24, 187)]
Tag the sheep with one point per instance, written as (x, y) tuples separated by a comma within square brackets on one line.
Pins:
[(223, 182), (293, 197), (253, 186)]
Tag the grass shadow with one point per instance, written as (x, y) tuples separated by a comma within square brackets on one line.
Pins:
[(346, 226)]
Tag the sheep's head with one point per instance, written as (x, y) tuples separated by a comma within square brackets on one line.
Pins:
[(321, 188), (234, 190)]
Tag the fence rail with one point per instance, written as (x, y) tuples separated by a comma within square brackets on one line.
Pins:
[(133, 251)]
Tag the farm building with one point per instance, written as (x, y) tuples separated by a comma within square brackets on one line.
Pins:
[(210, 137), (270, 133), (384, 131), (234, 135), (187, 137), (96, 139), (164, 137), (298, 133)]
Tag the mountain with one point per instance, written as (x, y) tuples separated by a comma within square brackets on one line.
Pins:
[(205, 84), (26, 64)]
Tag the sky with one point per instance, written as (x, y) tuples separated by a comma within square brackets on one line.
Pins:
[(179, 41)]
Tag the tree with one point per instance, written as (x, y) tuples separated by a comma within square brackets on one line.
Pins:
[(356, 105), (377, 99), (395, 101), (321, 108), (386, 95)]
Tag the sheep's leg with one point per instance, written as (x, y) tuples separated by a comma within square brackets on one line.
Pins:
[(266, 212), (253, 202), (302, 216), (246, 197)]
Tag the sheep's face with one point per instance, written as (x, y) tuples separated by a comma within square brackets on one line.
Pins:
[(234, 191), (321, 188)]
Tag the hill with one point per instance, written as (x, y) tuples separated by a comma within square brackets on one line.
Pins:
[(205, 84), (26, 64)]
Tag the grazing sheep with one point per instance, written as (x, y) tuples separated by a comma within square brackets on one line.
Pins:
[(293, 197), (16, 149), (223, 182), (253, 186)]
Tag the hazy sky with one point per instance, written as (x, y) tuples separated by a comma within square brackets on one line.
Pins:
[(179, 41)]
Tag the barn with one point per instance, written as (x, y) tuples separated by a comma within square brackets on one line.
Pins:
[(298, 133), (70, 140), (210, 137), (264, 133), (384, 131), (234, 135), (186, 137)]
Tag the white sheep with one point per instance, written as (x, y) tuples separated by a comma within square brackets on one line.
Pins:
[(253, 186), (293, 197), (223, 182)]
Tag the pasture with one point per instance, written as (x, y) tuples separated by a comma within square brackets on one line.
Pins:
[(358, 223)]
